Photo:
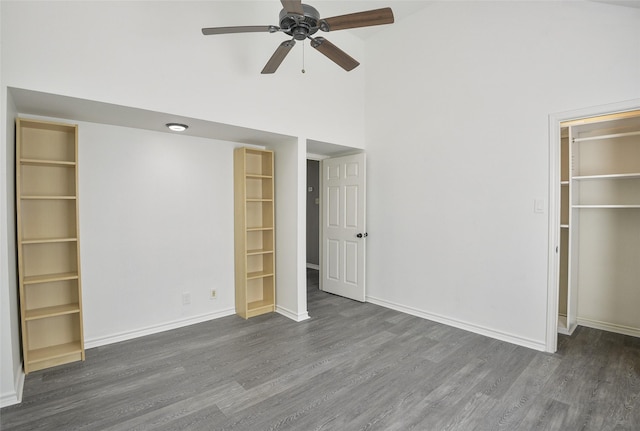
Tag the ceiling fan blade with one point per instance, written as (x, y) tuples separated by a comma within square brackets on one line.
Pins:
[(241, 29), (293, 6), (334, 53), (278, 56), (358, 19)]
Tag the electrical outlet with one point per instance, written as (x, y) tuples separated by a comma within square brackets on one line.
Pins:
[(213, 294), (186, 298)]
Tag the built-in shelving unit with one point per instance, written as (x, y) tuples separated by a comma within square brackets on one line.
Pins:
[(600, 223), (565, 308), (48, 246), (254, 232)]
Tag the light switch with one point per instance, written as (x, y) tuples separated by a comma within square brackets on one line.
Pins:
[(538, 206), (310, 189)]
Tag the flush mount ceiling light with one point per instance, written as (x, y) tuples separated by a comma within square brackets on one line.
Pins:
[(177, 127)]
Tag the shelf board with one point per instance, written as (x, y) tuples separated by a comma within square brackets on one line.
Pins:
[(600, 118), (608, 177), (52, 352), (606, 206), (564, 183), (564, 226), (257, 229), (35, 279), (258, 251), (58, 310), (258, 200), (48, 240), (42, 162), (42, 197), (260, 176), (610, 136), (259, 274)]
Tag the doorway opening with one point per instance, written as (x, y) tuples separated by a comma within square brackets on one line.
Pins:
[(313, 229), (313, 214), (594, 208)]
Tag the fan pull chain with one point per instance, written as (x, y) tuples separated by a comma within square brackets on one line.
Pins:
[(303, 71)]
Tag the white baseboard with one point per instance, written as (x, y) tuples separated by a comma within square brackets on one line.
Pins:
[(9, 399), (610, 327), (15, 397), (313, 266), (498, 335), (297, 317), (128, 335)]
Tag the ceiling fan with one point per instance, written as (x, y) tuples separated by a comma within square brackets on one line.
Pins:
[(302, 21)]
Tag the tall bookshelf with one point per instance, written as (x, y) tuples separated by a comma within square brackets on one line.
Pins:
[(48, 245), (254, 232)]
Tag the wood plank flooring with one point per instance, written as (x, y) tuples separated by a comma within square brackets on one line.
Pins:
[(351, 366)]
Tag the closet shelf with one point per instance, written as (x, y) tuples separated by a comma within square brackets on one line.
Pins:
[(258, 200), (610, 136), (629, 176), (259, 176), (606, 206)]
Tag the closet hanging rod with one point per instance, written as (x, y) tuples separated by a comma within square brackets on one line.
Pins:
[(614, 135)]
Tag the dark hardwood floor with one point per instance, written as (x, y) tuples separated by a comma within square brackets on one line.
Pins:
[(351, 366)]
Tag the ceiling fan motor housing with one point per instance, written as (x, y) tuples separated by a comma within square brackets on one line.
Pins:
[(300, 26)]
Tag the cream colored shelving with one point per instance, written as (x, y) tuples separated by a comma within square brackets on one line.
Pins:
[(254, 232), (48, 246)]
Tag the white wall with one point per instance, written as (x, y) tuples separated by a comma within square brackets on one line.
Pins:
[(156, 221), (11, 376), (152, 55), (289, 161), (458, 151)]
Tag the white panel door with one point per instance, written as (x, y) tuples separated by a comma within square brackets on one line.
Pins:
[(344, 226)]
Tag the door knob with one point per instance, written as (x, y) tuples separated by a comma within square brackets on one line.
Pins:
[(361, 235)]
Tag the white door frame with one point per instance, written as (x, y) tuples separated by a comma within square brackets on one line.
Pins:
[(553, 265)]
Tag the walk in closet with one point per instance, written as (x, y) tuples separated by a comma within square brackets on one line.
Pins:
[(48, 246), (599, 252)]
